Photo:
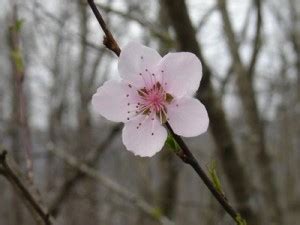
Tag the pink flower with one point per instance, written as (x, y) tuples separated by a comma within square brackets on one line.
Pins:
[(153, 90)]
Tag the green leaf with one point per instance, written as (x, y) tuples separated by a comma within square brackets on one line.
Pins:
[(212, 169), (18, 25), (18, 60), (240, 221), (171, 143), (156, 213)]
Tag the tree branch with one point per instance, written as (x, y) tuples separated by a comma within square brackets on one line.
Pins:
[(109, 40), (185, 155), (257, 39), (12, 177)]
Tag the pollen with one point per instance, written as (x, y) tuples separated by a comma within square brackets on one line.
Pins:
[(153, 101)]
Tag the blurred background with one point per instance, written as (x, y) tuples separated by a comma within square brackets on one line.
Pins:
[(52, 60)]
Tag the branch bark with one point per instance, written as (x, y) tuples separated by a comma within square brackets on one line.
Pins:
[(8, 172), (187, 156), (21, 130)]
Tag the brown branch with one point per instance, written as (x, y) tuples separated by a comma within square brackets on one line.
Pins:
[(161, 34), (205, 18), (257, 39), (12, 177), (108, 40), (20, 117), (185, 155)]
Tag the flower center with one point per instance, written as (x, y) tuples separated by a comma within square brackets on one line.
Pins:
[(152, 102)]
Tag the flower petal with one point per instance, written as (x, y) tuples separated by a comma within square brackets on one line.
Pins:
[(188, 117), (141, 141), (136, 59), (181, 72), (111, 100)]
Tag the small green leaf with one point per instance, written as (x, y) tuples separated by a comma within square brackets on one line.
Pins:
[(240, 221), (156, 213), (18, 60), (171, 143), (18, 25), (212, 169)]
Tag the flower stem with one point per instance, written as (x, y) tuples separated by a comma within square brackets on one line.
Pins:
[(187, 157), (185, 154)]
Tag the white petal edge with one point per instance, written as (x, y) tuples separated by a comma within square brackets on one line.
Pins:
[(188, 117), (181, 72), (111, 100), (141, 141), (135, 59)]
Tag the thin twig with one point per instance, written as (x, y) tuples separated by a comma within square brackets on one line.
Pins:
[(187, 157), (185, 154), (109, 40), (12, 177)]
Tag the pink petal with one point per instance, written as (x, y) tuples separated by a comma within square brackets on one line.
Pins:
[(188, 117), (136, 59), (181, 72), (141, 141), (111, 100)]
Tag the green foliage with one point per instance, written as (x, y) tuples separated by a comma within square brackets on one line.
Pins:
[(18, 60), (156, 213), (171, 143), (212, 169), (18, 25), (240, 221)]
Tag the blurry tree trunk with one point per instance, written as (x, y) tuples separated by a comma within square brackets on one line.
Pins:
[(19, 120), (295, 40), (19, 129), (239, 181), (257, 134), (84, 131)]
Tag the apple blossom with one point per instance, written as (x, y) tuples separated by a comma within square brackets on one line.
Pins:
[(152, 91)]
